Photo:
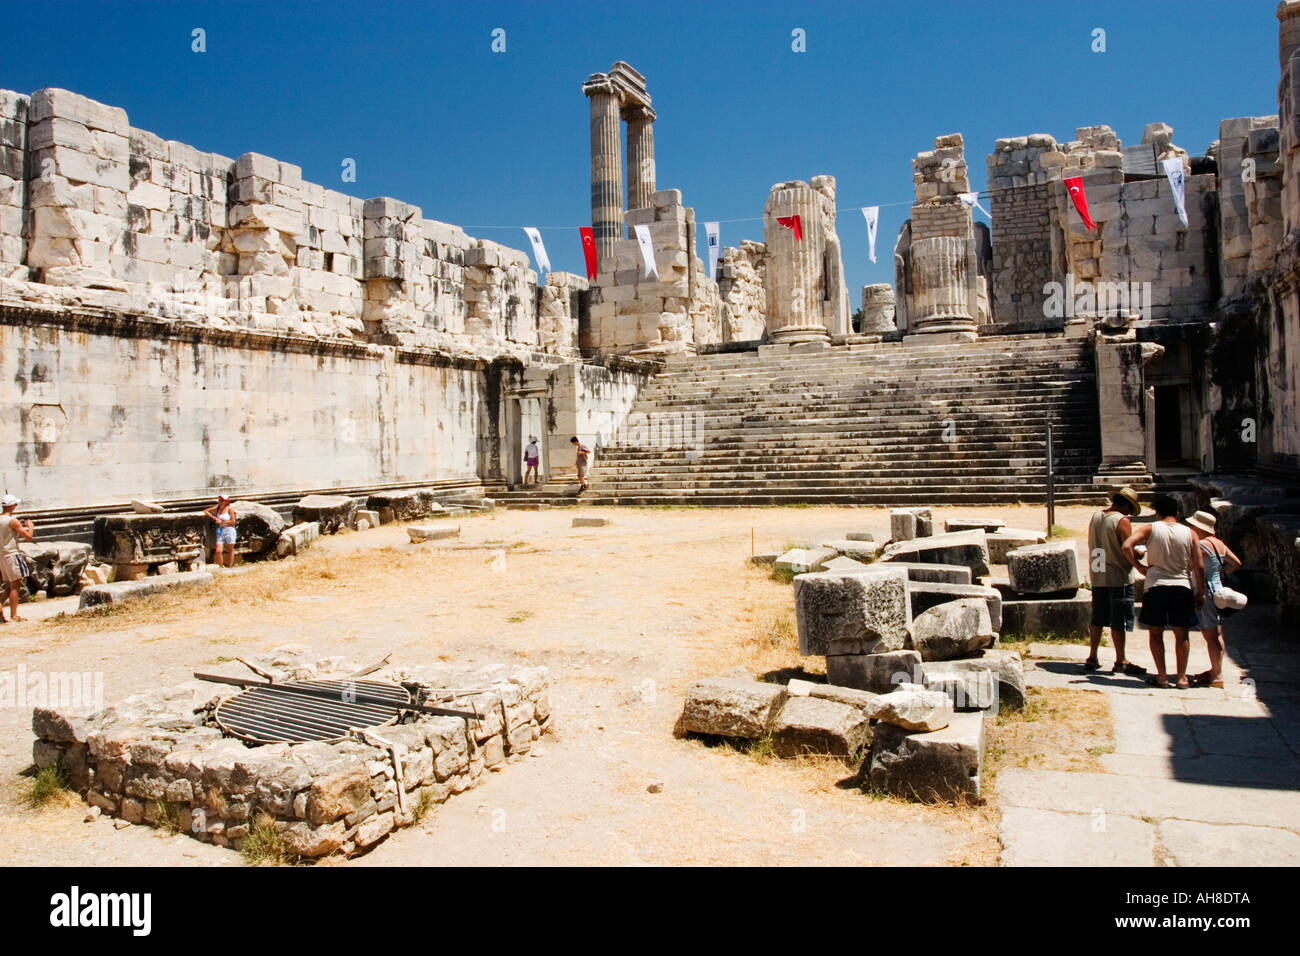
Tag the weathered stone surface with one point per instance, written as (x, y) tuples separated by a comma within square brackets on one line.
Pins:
[(968, 689), (1008, 539), (926, 595), (730, 707), (869, 607), (432, 532), (1044, 568), (940, 766), (331, 512), (403, 504), (987, 525), (1279, 538), (257, 528), (1006, 666), (1047, 616), (591, 522), (123, 590), (146, 507), (934, 573), (912, 709), (804, 560), (863, 551), (905, 524), (763, 559), (859, 536), (814, 725), (952, 629), (56, 566), (875, 673), (367, 519), (297, 538), (841, 695), (146, 539), (967, 548), (845, 564)]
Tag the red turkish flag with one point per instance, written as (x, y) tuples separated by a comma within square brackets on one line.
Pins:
[(792, 222), (1075, 186), (589, 249)]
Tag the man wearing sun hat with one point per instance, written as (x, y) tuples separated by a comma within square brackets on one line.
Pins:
[(1112, 579), (13, 565)]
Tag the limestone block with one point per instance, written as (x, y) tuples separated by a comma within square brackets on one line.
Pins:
[(124, 590), (730, 707), (927, 594), (331, 512), (813, 725), (864, 551), (866, 607), (1006, 666), (404, 504), (912, 709), (967, 689), (952, 629), (905, 524), (297, 538), (56, 566), (934, 573), (841, 695), (840, 564), (988, 525), (803, 560), (941, 766), (1060, 616), (876, 673), (1044, 568), (967, 548), (418, 533)]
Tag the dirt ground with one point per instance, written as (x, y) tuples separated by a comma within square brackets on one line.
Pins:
[(625, 617)]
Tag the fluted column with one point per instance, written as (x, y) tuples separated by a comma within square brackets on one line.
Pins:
[(795, 280), (877, 308), (940, 285), (640, 156), (606, 165)]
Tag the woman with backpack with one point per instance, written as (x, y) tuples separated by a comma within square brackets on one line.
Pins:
[(1218, 560)]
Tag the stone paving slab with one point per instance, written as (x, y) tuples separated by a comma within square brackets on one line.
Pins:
[(1203, 844), (1037, 837), (1143, 797), (1213, 768)]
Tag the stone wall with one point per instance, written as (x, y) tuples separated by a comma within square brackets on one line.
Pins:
[(741, 273), (630, 312), (158, 227), (1027, 246), (108, 408)]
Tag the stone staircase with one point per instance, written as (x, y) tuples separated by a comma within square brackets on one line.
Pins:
[(878, 424)]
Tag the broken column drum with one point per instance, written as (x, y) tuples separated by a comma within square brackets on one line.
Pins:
[(939, 281), (795, 280), (640, 157)]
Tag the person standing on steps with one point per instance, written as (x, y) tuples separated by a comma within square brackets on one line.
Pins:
[(1112, 580), (224, 516), (13, 563), (1175, 584), (1217, 559), (531, 457), (583, 462)]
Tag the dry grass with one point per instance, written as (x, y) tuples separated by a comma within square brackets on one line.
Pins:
[(1058, 729)]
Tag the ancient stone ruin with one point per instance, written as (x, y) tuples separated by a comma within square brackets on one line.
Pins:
[(188, 759)]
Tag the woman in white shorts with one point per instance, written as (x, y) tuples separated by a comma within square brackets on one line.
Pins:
[(224, 516)]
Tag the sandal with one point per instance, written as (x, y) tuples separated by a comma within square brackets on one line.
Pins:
[(1092, 664), (1134, 670), (1183, 684), (1155, 682), (1207, 679)]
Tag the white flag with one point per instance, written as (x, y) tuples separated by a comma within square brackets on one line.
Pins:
[(1174, 170), (539, 250), (711, 230), (647, 251), (872, 214), (973, 200)]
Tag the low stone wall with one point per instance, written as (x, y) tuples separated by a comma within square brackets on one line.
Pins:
[(158, 758)]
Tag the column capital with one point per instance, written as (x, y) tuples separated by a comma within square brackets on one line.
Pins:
[(597, 84), (638, 113)]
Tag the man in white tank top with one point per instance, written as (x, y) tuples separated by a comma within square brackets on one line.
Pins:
[(1175, 584)]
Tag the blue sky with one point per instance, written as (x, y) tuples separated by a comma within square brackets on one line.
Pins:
[(413, 93)]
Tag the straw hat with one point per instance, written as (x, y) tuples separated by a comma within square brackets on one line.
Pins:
[(1203, 521), (1131, 496)]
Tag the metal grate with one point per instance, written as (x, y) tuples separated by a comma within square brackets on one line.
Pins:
[(309, 710)]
